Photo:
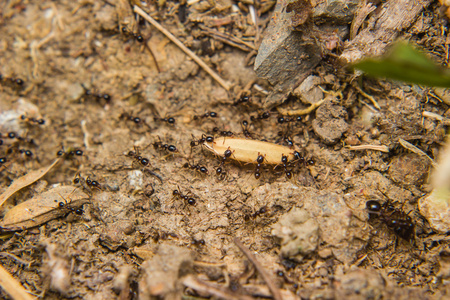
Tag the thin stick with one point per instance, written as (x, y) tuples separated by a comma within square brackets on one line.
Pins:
[(198, 285), (298, 112), (177, 42), (273, 289), (12, 286)]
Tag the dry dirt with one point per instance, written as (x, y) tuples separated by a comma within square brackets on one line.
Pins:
[(311, 233)]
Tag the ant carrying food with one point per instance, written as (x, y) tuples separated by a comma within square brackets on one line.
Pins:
[(399, 222), (201, 141), (189, 200)]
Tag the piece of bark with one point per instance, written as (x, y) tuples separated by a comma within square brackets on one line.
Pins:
[(383, 28)]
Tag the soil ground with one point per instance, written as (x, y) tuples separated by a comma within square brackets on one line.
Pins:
[(311, 232)]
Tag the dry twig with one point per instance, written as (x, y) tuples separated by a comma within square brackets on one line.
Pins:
[(272, 287), (177, 42), (12, 286)]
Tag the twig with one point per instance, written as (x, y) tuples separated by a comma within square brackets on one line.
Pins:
[(177, 42), (198, 285), (12, 286), (298, 112), (381, 148), (227, 38), (416, 150), (371, 98), (273, 289)]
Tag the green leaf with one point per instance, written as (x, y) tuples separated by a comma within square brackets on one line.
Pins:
[(406, 64)]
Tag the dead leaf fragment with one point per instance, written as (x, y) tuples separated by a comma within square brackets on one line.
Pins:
[(43, 208), (25, 180)]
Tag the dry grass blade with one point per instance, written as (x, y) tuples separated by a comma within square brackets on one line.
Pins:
[(12, 286), (273, 289), (416, 150), (382, 148), (299, 112), (25, 180), (171, 37), (198, 285)]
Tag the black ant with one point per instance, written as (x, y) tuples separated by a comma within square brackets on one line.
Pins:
[(261, 211), (206, 115), (284, 162), (62, 205), (202, 140), (222, 132), (32, 120), (189, 200), (15, 83), (160, 146), (141, 40), (259, 162), (135, 154), (282, 120), (197, 167), (169, 120), (243, 99), (245, 130), (134, 119), (137, 37), (394, 219), (90, 183), (198, 243), (71, 152), (220, 171), (301, 159), (13, 135), (93, 94), (263, 116)]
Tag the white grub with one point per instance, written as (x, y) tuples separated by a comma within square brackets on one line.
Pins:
[(247, 151)]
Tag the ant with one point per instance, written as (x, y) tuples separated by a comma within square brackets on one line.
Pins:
[(196, 167), (259, 162), (189, 200), (301, 159), (137, 37), (245, 130), (169, 120), (136, 120), (13, 135), (243, 99), (206, 115), (261, 211), (222, 132), (93, 94), (15, 83), (32, 120), (394, 219), (64, 205), (284, 162), (263, 116), (71, 152), (203, 139), (198, 243), (282, 120), (220, 171), (135, 154), (90, 183), (160, 146), (141, 40)]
